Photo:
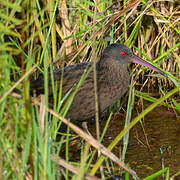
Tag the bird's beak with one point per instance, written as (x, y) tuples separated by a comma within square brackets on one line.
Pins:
[(137, 60)]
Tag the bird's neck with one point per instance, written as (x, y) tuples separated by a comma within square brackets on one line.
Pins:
[(112, 78), (113, 70)]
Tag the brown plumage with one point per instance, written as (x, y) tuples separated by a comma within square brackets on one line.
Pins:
[(112, 81)]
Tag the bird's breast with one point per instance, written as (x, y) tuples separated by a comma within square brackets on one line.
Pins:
[(114, 85)]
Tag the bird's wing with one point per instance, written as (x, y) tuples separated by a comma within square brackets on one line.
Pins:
[(70, 76)]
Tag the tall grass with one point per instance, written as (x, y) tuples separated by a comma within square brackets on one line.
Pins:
[(37, 36)]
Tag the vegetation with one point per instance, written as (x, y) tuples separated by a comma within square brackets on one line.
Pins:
[(38, 36)]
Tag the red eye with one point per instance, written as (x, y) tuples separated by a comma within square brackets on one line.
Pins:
[(123, 53)]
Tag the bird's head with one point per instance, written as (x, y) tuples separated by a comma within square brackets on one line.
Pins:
[(123, 56)]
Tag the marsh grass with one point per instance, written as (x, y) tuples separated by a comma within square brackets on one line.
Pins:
[(38, 36)]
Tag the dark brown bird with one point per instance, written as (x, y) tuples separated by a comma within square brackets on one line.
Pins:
[(112, 81)]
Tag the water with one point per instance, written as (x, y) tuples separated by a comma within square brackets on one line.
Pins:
[(162, 130)]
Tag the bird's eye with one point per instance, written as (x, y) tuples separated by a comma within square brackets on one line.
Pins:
[(123, 53)]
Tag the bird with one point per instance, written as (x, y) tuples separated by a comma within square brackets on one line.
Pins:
[(112, 81)]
